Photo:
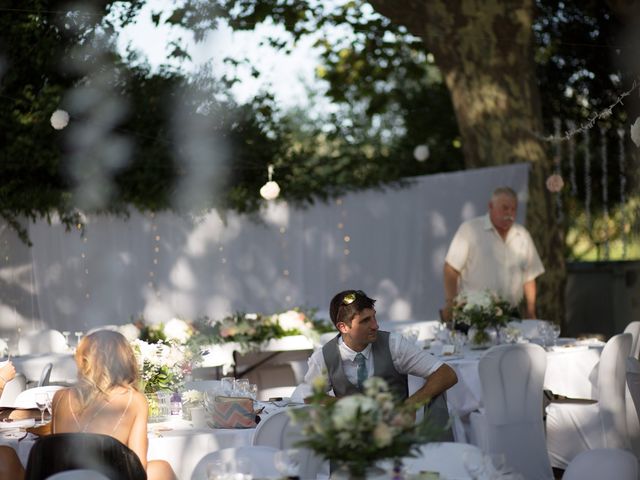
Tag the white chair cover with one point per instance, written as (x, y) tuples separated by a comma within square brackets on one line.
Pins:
[(278, 431), (632, 400), (274, 392), (446, 458), (45, 375), (27, 399), (44, 341), (634, 329), (512, 377), (261, 459), (603, 463), (575, 427), (78, 475), (12, 389)]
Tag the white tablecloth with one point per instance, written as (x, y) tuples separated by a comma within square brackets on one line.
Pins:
[(64, 366), (571, 371), (183, 446)]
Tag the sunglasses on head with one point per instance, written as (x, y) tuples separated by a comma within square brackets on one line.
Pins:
[(350, 297)]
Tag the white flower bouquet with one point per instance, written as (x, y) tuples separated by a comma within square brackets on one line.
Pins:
[(358, 430), (482, 310)]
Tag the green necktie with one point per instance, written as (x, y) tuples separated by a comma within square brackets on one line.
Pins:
[(362, 369)]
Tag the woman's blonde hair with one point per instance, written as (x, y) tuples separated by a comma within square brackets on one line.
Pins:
[(105, 360)]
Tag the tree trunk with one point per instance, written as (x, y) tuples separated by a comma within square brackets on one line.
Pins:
[(485, 52)]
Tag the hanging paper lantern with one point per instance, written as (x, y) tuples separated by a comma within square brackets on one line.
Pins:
[(554, 183), (635, 132), (59, 119), (270, 190), (421, 152)]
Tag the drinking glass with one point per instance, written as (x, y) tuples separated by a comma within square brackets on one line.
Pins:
[(218, 470), (555, 332), (242, 387), (49, 405), (227, 385), (287, 462), (66, 334), (253, 391), (41, 403), (78, 337), (473, 462)]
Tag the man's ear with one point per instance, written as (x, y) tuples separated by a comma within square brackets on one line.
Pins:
[(342, 327)]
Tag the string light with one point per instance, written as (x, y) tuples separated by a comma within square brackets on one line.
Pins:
[(605, 189), (271, 189), (602, 114), (59, 119), (623, 184), (587, 178), (421, 153)]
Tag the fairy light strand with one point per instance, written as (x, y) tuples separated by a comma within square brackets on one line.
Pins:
[(557, 124), (623, 184), (604, 180), (588, 125), (587, 179), (572, 160)]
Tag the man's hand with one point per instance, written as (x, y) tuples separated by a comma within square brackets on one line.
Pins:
[(436, 383)]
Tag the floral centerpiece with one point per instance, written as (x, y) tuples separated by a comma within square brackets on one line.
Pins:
[(482, 310), (162, 369), (358, 430), (249, 330)]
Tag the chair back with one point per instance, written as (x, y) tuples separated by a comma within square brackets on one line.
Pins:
[(260, 458), (56, 453), (634, 329), (611, 389), (45, 375), (43, 341), (12, 389), (511, 377), (278, 431), (446, 458), (602, 463), (83, 474), (633, 381)]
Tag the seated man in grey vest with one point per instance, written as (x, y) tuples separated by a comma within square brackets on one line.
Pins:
[(360, 351)]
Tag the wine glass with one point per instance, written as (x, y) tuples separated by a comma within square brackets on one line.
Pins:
[(50, 404), (78, 337), (287, 462), (242, 387), (555, 332), (41, 402), (66, 334), (473, 462)]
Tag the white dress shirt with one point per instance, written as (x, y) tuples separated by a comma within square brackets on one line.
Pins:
[(485, 261), (407, 358)]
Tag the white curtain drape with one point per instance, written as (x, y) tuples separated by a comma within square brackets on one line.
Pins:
[(388, 242)]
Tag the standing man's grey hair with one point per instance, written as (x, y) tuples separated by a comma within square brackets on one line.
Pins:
[(504, 191)]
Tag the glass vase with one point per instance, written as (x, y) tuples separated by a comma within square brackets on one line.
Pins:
[(159, 406), (351, 471)]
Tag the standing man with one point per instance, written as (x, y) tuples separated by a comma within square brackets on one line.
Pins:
[(493, 252), (360, 351)]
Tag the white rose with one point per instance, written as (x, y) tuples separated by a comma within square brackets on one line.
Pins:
[(251, 316), (382, 435), (346, 409), (177, 330), (291, 320), (129, 331)]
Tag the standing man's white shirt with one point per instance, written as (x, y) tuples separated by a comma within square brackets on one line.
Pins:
[(485, 261), (407, 358)]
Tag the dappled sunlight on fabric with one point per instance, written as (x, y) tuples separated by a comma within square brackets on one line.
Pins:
[(181, 275), (469, 211), (400, 309), (276, 214), (438, 225), (206, 233)]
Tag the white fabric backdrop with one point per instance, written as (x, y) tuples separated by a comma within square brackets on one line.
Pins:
[(280, 258)]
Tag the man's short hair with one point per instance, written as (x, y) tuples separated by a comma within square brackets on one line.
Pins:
[(504, 191), (345, 305)]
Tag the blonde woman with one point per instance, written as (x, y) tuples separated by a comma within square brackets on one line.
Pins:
[(106, 399)]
